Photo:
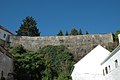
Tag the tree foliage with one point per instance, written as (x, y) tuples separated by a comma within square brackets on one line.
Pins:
[(80, 32), (48, 63), (116, 35), (28, 64), (66, 33), (60, 33), (74, 32), (28, 27), (87, 32)]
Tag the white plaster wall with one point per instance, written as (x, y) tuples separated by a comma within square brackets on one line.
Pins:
[(89, 66), (113, 73), (88, 77), (2, 32), (111, 62), (91, 62)]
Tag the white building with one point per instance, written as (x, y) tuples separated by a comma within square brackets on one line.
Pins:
[(4, 35), (111, 65), (89, 67)]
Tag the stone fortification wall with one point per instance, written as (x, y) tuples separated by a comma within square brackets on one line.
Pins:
[(79, 44)]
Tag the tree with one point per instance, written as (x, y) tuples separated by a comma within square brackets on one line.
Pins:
[(60, 33), (114, 38), (74, 32), (28, 66), (87, 32), (48, 63), (116, 35), (28, 27), (64, 76), (80, 32), (58, 62), (66, 33)]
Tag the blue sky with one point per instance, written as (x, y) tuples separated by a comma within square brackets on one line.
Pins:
[(94, 16)]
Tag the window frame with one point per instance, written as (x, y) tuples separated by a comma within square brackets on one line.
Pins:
[(106, 70), (116, 63)]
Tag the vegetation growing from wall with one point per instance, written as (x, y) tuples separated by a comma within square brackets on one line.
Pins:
[(116, 35), (48, 63)]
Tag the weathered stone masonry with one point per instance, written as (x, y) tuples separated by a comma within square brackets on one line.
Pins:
[(79, 45)]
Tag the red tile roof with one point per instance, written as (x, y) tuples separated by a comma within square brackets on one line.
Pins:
[(1, 27)]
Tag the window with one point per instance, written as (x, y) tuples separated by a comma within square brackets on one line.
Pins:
[(103, 72), (116, 63), (106, 70), (4, 36), (109, 68)]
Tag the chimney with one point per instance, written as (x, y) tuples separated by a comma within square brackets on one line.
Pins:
[(119, 38)]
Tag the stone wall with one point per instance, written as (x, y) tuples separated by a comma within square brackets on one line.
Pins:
[(79, 45)]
